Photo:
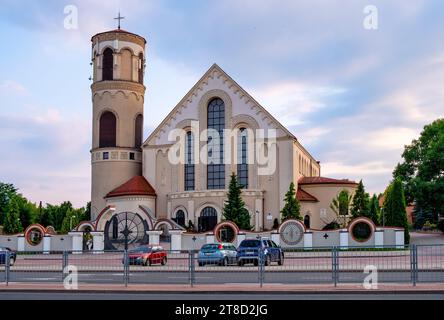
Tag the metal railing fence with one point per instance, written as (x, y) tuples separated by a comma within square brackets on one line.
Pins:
[(403, 264)]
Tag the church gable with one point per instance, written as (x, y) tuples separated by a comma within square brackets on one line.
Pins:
[(244, 106)]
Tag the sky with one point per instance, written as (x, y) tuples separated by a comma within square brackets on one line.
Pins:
[(352, 96)]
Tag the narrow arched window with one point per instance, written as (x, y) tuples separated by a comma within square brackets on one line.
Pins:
[(126, 65), (189, 162), (307, 221), (108, 62), (107, 128), (141, 67), (216, 166), (242, 161), (138, 131)]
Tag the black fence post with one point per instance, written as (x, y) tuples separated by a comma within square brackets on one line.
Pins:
[(64, 264), (414, 263), (125, 268), (261, 269), (7, 266), (335, 260), (191, 267)]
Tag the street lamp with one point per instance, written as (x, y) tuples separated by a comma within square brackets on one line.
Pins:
[(70, 222)]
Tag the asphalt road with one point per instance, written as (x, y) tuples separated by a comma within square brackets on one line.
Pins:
[(220, 277), (16, 295)]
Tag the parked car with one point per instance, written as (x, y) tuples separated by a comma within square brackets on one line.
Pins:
[(221, 254), (12, 256), (147, 255), (249, 250)]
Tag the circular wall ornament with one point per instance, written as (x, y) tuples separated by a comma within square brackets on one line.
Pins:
[(291, 232), (361, 229), (125, 229), (34, 234), (226, 231)]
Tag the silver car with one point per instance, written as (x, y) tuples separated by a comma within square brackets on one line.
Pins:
[(222, 254)]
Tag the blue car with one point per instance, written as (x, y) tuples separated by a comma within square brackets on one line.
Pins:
[(249, 250), (12, 256), (221, 254)]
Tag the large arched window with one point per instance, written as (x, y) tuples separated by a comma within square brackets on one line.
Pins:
[(242, 163), (208, 219), (138, 131), (216, 166), (107, 67), (107, 134), (141, 66), (189, 181)]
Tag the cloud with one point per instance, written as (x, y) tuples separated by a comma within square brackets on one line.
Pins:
[(46, 156), (9, 87), (387, 139), (292, 101)]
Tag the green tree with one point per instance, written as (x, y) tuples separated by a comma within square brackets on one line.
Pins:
[(341, 206), (46, 217), (7, 192), (421, 171), (394, 208), (234, 208), (28, 211), (292, 208), (374, 210), (87, 213), (361, 201), (72, 219), (12, 222)]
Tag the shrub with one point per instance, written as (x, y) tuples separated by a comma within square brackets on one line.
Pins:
[(441, 225), (331, 226)]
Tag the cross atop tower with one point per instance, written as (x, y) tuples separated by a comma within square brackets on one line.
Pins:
[(119, 17)]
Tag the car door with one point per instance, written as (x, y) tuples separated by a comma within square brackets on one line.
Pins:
[(278, 250), (233, 252), (273, 251), (155, 255)]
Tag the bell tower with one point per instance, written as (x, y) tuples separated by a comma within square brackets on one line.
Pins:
[(118, 60)]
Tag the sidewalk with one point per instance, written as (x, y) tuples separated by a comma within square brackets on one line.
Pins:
[(227, 288)]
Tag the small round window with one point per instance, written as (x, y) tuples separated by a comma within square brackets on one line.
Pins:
[(361, 231)]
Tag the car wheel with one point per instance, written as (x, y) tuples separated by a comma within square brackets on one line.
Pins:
[(268, 261), (256, 263), (150, 262), (281, 260), (11, 261), (164, 261), (201, 264), (240, 263)]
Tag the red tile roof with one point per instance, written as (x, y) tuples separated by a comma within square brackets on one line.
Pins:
[(137, 186), (119, 31), (323, 180), (302, 195)]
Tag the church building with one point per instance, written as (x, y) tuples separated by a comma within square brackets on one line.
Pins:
[(178, 177)]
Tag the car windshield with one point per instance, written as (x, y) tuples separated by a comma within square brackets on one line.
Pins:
[(250, 243), (213, 246), (141, 250)]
